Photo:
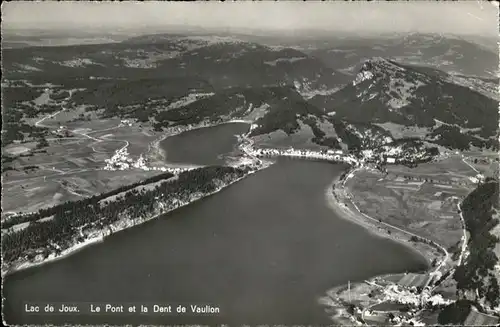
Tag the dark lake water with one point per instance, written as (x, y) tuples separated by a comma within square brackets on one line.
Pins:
[(204, 146), (263, 250)]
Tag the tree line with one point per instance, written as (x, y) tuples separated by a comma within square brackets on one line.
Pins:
[(72, 221), (46, 212), (476, 272)]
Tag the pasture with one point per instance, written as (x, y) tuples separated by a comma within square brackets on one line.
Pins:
[(421, 200), (476, 318), (70, 167), (408, 280), (52, 188)]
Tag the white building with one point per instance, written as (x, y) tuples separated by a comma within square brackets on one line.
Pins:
[(474, 180)]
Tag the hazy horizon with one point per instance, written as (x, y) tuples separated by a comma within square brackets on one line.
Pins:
[(460, 18)]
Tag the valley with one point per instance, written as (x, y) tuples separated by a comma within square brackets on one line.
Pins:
[(286, 149)]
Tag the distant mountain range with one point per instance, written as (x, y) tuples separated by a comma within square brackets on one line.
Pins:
[(453, 54), (357, 94)]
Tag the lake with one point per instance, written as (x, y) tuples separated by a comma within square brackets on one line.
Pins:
[(263, 251), (204, 146)]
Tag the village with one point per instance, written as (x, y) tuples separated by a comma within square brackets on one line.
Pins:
[(396, 299), (400, 299)]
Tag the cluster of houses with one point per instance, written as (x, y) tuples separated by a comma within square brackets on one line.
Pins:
[(391, 156), (479, 178), (62, 131), (410, 295), (121, 161), (330, 155), (126, 122)]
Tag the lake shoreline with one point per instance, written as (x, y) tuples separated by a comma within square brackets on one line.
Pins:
[(338, 201), (157, 154), (123, 224)]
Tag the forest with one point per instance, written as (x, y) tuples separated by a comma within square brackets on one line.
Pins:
[(67, 205), (455, 313), (354, 143), (13, 126), (70, 222), (452, 137), (476, 272), (235, 102)]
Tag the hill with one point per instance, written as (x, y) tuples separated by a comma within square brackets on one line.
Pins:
[(174, 80), (447, 114)]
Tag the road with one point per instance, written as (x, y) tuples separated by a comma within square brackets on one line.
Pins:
[(39, 123), (468, 164), (464, 229), (464, 243), (77, 132), (84, 135), (446, 254)]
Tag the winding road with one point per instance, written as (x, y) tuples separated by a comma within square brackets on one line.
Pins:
[(464, 237), (446, 254), (464, 242), (85, 135)]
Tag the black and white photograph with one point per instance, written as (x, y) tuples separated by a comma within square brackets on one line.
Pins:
[(250, 163)]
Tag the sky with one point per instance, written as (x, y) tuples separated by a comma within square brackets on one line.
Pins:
[(462, 18)]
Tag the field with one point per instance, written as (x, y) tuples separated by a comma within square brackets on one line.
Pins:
[(485, 162), (400, 131), (422, 200), (70, 166), (408, 280), (451, 170), (377, 319), (429, 318), (33, 193), (476, 318)]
